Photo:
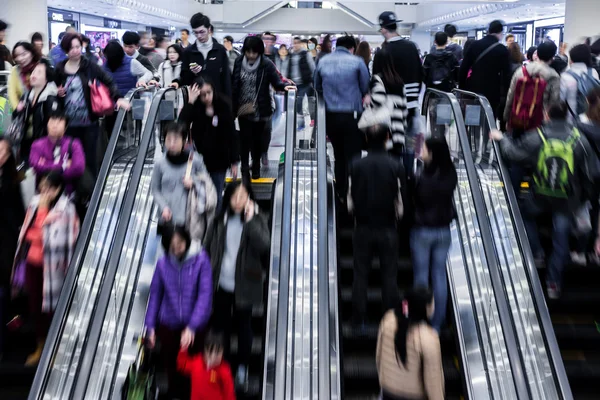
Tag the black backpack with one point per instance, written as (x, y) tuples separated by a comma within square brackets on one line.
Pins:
[(441, 71)]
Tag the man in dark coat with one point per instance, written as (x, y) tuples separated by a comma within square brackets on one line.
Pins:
[(488, 63)]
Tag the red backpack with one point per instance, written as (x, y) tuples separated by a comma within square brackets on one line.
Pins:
[(528, 105)]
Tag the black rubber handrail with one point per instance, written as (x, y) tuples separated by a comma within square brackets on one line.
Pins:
[(485, 228), (284, 260), (68, 291), (322, 255), (534, 282), (82, 374)]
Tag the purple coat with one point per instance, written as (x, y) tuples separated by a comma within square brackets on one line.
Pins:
[(181, 294), (41, 159)]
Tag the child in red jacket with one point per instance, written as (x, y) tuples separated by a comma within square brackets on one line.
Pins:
[(209, 373)]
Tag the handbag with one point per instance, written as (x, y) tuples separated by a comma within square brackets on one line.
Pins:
[(102, 103), (373, 115)]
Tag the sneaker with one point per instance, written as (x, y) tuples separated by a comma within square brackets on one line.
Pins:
[(553, 291), (241, 378), (265, 159), (578, 259)]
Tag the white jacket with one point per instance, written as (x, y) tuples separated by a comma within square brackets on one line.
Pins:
[(168, 72)]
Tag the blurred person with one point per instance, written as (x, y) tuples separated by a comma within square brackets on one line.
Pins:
[(145, 45), (238, 243), (595, 49), (57, 54), (5, 55), (441, 67), (551, 95), (55, 152), (325, 48), (387, 90), (375, 219), (179, 306), (87, 51), (73, 78), (100, 54), (301, 69), (269, 41), (485, 70), (562, 51), (207, 58), (152, 51), (213, 132), (364, 51), (454, 48), (253, 74), (162, 43), (558, 192), (46, 256), (580, 79), (468, 44), (127, 72), (12, 214), (170, 69), (532, 54), (232, 53), (343, 80), (170, 185), (408, 64), (26, 58), (210, 375), (312, 47), (409, 355), (131, 45), (185, 38), (510, 39), (37, 40), (38, 104), (282, 62), (516, 57), (430, 236)]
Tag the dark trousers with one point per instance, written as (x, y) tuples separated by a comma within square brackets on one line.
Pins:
[(251, 141), (218, 179), (369, 243), (88, 135), (223, 310), (34, 282), (347, 140), (267, 136), (170, 342)]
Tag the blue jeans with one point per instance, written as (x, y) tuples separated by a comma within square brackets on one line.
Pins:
[(429, 247), (561, 229), (218, 179)]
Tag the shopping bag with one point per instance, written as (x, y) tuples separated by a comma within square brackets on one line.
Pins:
[(140, 383)]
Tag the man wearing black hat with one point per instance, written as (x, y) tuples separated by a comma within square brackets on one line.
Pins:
[(485, 69)]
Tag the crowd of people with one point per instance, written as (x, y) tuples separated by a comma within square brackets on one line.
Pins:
[(213, 268)]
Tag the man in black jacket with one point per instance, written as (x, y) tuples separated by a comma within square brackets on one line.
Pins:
[(375, 199), (486, 70), (441, 66), (206, 58)]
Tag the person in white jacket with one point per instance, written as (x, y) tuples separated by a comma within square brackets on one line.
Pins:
[(581, 64), (170, 69)]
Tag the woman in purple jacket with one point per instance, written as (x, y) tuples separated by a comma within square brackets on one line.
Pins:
[(57, 152), (180, 305)]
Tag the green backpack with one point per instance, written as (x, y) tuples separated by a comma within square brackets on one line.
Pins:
[(553, 175)]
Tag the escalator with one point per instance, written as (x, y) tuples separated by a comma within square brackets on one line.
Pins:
[(118, 320), (480, 356), (94, 245), (564, 331)]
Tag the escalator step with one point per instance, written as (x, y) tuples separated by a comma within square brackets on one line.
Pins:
[(347, 262)]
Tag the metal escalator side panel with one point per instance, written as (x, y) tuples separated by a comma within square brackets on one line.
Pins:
[(544, 366), (89, 351), (278, 286), (73, 280), (496, 329)]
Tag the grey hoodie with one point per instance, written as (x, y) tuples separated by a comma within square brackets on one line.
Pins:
[(544, 71)]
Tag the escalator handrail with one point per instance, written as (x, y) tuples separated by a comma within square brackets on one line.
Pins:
[(506, 319), (531, 270), (325, 384), (60, 313), (280, 367), (95, 328)]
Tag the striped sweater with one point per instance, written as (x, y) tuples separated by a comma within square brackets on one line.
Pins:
[(395, 100)]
